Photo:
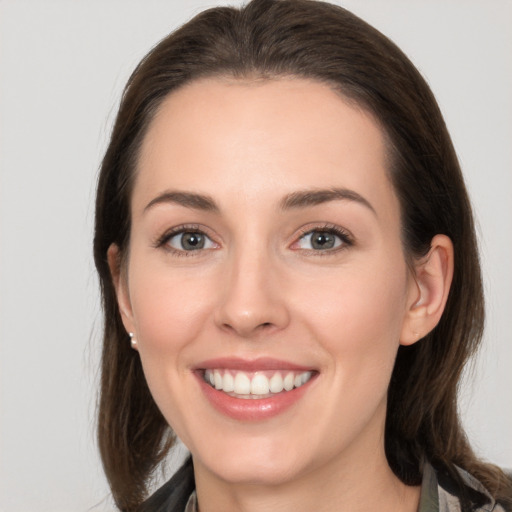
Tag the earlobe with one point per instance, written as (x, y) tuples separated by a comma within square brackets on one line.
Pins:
[(429, 293), (121, 287)]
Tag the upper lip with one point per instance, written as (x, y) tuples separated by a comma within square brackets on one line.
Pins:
[(250, 365)]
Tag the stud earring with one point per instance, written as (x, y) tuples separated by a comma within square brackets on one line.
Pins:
[(133, 341)]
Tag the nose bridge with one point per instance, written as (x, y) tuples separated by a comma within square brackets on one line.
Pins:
[(252, 300)]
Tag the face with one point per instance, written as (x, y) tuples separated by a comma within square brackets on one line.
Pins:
[(266, 281)]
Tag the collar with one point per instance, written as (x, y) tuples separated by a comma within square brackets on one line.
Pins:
[(192, 503), (440, 493)]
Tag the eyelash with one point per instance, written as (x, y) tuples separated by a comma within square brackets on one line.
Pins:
[(345, 237), (184, 228)]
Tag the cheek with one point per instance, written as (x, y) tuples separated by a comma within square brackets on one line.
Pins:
[(168, 306), (358, 316), (170, 310), (357, 320)]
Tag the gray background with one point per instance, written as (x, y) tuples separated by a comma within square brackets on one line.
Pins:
[(62, 67)]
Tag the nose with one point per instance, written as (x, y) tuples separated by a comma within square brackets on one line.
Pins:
[(253, 299)]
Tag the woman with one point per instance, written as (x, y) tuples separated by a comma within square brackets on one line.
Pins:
[(283, 231)]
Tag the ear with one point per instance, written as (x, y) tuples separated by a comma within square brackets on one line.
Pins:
[(429, 291), (120, 282)]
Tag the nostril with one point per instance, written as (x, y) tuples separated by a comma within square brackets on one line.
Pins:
[(249, 330), (265, 326)]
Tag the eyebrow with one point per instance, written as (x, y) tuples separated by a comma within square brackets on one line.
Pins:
[(187, 199), (298, 199), (305, 198)]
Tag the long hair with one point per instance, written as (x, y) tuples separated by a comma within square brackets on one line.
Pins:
[(319, 41)]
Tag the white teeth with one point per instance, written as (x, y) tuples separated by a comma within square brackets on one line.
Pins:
[(217, 377), (276, 383), (228, 382), (242, 384), (256, 384), (288, 382), (259, 385)]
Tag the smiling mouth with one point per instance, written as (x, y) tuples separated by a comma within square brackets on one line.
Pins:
[(255, 385)]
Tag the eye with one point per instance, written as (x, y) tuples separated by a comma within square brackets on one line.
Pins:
[(323, 240), (190, 241)]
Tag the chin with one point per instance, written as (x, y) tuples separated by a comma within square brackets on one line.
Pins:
[(255, 470)]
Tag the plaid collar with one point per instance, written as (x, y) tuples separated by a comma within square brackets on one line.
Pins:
[(440, 494)]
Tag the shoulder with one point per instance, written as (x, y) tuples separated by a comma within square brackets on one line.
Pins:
[(173, 495), (455, 492)]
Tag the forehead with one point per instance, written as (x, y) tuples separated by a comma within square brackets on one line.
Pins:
[(253, 138)]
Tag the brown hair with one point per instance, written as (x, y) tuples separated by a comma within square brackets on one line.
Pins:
[(316, 40)]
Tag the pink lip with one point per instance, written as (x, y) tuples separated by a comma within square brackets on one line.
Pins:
[(247, 365), (251, 409)]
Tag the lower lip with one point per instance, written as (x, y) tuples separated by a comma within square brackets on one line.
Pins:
[(250, 409)]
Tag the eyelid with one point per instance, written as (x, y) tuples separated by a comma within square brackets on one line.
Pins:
[(345, 236), (162, 241)]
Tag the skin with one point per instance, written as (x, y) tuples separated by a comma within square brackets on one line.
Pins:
[(259, 289)]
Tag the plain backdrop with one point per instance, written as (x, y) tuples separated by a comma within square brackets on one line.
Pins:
[(62, 68)]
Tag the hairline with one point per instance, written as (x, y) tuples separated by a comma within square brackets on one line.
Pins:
[(255, 77)]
